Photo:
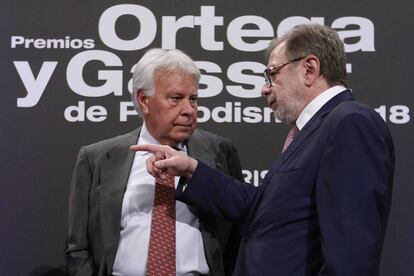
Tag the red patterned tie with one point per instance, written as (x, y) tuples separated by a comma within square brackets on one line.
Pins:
[(293, 132), (161, 255)]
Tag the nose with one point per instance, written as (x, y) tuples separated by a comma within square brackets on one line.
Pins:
[(266, 90), (187, 108)]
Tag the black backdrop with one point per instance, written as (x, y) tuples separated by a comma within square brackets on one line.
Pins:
[(65, 68)]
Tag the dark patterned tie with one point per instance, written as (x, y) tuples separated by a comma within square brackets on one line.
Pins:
[(161, 255), (293, 132)]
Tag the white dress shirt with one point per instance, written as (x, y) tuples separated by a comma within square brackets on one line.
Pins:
[(313, 107), (132, 254)]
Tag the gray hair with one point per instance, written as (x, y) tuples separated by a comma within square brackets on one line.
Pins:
[(159, 59), (320, 41)]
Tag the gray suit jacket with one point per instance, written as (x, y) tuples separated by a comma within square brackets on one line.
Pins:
[(97, 190)]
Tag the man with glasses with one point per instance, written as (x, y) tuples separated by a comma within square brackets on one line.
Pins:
[(115, 227), (322, 209)]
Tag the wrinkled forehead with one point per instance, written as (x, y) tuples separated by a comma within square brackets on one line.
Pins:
[(175, 81), (278, 55), (171, 74)]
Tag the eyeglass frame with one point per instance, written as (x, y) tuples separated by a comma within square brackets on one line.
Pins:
[(277, 69)]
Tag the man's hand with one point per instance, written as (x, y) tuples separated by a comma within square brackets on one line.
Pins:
[(166, 159)]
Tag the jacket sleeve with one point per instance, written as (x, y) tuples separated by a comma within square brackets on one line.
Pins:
[(216, 193), (79, 259)]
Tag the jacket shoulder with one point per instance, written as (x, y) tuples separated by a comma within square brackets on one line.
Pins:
[(355, 109), (121, 141), (209, 137)]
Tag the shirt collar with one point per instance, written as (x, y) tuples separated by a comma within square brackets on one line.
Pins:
[(313, 107), (146, 138)]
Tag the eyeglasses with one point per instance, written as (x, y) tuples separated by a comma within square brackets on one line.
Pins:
[(272, 71)]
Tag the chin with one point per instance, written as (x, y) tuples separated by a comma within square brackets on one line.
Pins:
[(182, 136)]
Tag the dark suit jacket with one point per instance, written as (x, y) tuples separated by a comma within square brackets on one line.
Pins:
[(97, 190), (323, 206)]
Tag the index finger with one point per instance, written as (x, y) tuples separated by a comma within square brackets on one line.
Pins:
[(150, 148)]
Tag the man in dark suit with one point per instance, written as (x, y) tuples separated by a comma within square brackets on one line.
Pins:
[(112, 194), (322, 208)]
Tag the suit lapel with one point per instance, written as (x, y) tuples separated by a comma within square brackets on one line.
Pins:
[(198, 149), (307, 130), (114, 173), (314, 123)]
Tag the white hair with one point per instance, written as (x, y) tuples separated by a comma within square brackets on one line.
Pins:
[(159, 59)]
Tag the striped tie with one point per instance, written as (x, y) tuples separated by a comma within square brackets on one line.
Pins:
[(293, 132)]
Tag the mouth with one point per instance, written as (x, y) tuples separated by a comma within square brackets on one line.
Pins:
[(184, 125), (272, 102)]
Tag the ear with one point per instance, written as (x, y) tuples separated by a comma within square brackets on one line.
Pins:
[(142, 100), (312, 69)]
